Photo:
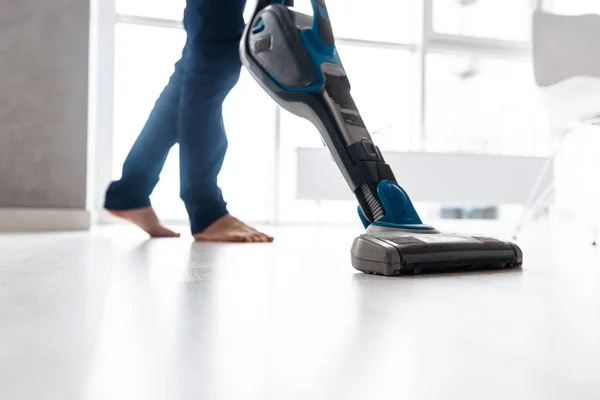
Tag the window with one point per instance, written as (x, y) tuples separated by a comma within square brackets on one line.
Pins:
[(472, 91), (164, 9), (491, 19), (384, 20), (482, 105)]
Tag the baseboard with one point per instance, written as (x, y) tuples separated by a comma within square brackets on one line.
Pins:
[(43, 220)]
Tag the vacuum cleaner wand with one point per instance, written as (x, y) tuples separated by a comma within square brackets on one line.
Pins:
[(293, 57)]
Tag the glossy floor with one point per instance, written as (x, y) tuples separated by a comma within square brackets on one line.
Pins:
[(109, 315)]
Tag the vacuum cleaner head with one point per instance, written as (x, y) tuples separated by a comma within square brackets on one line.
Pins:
[(396, 252)]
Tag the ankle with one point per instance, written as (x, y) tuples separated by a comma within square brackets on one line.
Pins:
[(202, 220)]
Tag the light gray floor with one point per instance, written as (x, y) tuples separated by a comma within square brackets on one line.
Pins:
[(110, 316)]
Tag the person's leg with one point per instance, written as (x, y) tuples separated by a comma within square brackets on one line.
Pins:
[(129, 197), (211, 69)]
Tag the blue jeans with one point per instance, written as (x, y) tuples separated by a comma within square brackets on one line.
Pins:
[(189, 112)]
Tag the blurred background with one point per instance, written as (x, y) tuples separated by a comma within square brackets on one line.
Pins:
[(450, 84), (440, 76)]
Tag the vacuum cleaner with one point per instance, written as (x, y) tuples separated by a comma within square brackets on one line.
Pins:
[(293, 57)]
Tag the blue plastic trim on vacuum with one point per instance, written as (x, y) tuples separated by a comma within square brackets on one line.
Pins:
[(259, 27), (399, 210)]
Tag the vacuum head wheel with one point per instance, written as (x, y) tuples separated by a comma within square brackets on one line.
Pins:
[(404, 252)]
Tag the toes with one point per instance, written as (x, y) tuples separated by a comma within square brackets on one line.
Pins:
[(265, 238), (260, 238), (252, 238)]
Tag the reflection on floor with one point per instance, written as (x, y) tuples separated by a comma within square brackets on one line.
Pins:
[(109, 315)]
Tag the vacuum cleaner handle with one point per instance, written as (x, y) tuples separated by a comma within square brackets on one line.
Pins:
[(323, 22)]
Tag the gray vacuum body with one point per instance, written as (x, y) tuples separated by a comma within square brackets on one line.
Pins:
[(396, 252)]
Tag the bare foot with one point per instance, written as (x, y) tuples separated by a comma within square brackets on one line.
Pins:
[(146, 219), (231, 229)]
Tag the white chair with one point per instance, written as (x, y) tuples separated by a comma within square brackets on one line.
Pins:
[(566, 59)]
